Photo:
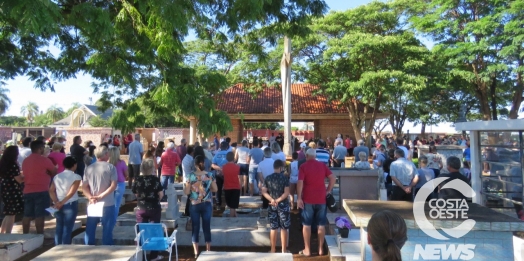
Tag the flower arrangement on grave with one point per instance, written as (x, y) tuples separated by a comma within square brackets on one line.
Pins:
[(343, 226)]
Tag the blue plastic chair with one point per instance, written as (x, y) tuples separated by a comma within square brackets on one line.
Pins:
[(153, 237)]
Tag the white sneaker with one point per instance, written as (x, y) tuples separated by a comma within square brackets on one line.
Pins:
[(159, 257)]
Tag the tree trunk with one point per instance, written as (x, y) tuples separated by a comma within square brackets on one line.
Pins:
[(423, 130), (517, 95), (482, 95), (354, 119), (493, 96)]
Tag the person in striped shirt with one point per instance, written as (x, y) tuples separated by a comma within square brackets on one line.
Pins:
[(322, 153)]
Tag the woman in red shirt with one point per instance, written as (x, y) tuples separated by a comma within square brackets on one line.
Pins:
[(231, 173)]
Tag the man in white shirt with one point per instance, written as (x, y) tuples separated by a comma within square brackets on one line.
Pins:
[(265, 168), (402, 172), (25, 151)]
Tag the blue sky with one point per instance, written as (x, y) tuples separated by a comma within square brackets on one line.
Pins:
[(21, 90)]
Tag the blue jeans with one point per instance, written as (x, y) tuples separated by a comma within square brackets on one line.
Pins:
[(65, 221), (119, 194), (166, 180), (253, 178), (314, 214), (197, 211), (108, 223)]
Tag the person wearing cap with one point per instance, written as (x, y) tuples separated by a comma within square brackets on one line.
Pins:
[(218, 162), (302, 152), (311, 195)]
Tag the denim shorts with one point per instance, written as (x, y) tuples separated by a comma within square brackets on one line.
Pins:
[(315, 212), (36, 203), (244, 169)]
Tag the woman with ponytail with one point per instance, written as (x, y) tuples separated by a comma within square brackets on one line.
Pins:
[(387, 233)]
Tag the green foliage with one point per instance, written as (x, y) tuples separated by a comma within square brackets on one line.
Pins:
[(127, 120), (41, 120), (99, 122), (469, 36), (4, 100), (13, 121), (363, 58), (30, 111), (262, 125), (55, 113), (135, 48)]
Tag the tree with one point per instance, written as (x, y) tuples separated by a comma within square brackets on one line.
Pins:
[(30, 111), (135, 48), (360, 58), (99, 122), (469, 35), (4, 100), (55, 113), (12, 121)]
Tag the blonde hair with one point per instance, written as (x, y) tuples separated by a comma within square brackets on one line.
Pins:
[(114, 155), (57, 146), (147, 167), (312, 145), (100, 152)]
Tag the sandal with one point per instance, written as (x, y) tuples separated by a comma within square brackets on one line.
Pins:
[(302, 253)]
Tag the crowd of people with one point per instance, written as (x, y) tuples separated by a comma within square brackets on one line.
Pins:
[(37, 175)]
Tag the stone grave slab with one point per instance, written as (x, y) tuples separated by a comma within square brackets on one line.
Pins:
[(129, 219), (88, 253), (241, 256), (14, 246), (122, 236), (128, 195), (492, 233), (238, 232), (49, 228)]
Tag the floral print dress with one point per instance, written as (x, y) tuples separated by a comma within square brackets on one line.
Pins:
[(12, 192)]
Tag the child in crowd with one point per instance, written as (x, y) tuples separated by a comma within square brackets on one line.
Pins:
[(276, 191), (363, 163), (231, 172), (293, 179)]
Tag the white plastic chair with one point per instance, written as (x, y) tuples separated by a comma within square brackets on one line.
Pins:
[(154, 237)]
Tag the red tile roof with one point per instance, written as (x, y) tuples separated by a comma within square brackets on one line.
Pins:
[(236, 100)]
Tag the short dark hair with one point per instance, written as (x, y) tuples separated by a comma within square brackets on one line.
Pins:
[(26, 141), (224, 145), (255, 142), (321, 143), (42, 138), (400, 141), (230, 156), (278, 164), (294, 155), (228, 139), (76, 138), (453, 162), (400, 152), (69, 162), (36, 145), (190, 149)]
